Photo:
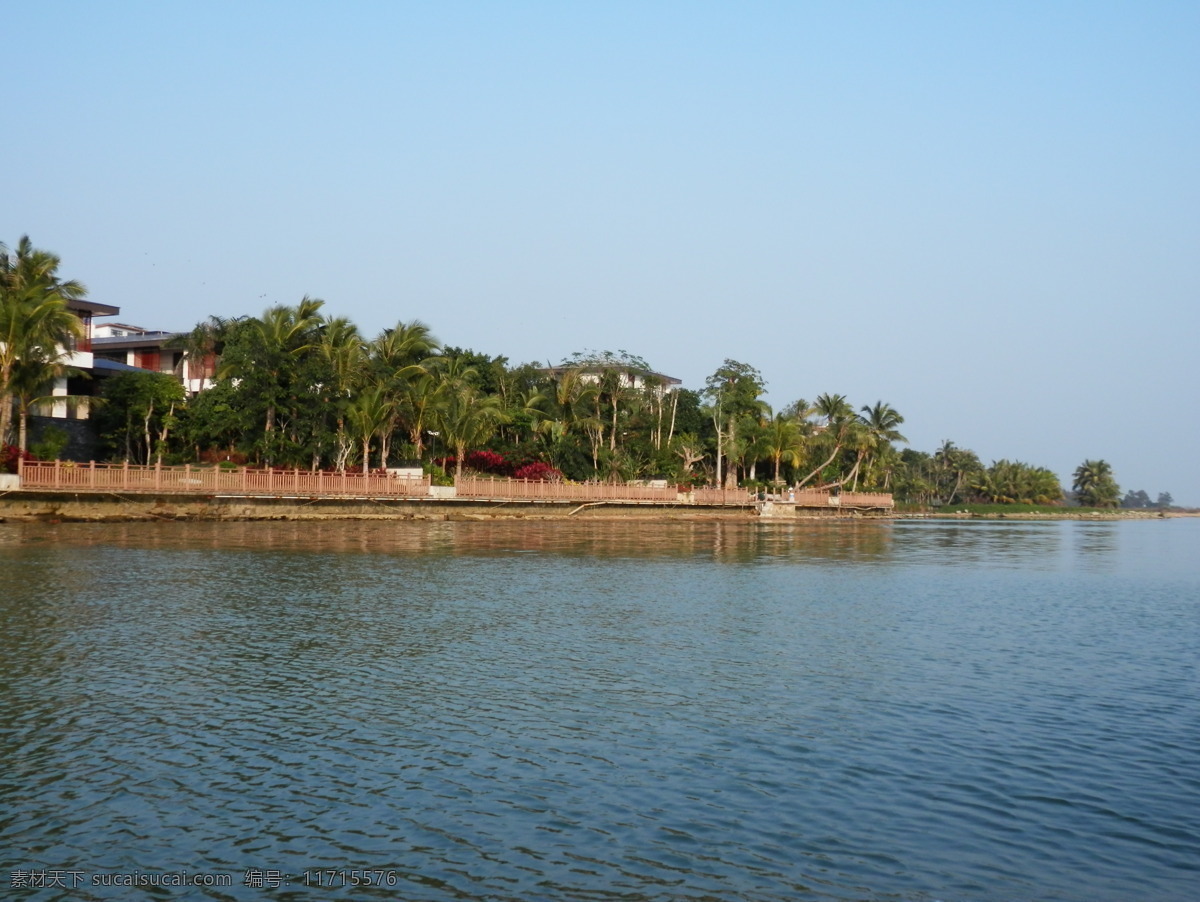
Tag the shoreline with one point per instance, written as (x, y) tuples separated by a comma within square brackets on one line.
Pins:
[(72, 507)]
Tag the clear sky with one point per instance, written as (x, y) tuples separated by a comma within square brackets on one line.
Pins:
[(985, 214)]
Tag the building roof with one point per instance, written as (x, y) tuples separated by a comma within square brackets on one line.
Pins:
[(140, 340), (94, 308)]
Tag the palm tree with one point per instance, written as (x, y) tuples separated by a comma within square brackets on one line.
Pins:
[(33, 379), (467, 419), (839, 418), (201, 347), (1094, 485), (35, 324), (278, 340), (343, 348), (880, 422), (569, 399), (784, 441), (370, 414)]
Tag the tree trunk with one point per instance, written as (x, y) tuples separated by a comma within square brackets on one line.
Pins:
[(162, 435), (836, 450), (674, 406), (146, 432), (6, 404), (731, 469)]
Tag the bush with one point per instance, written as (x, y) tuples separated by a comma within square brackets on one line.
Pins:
[(52, 444), (539, 471), (9, 455), (488, 462)]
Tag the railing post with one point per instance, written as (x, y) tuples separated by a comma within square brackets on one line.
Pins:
[(125, 476), (187, 469), (92, 473), (296, 481), (57, 464), (157, 475)]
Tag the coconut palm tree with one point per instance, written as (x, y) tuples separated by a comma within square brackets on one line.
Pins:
[(839, 419), (784, 441), (268, 355), (344, 351), (880, 422), (36, 324), (32, 382), (1094, 485), (466, 419), (369, 415)]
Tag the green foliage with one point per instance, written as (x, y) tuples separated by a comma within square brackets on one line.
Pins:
[(51, 444), (620, 360), (1014, 482), (36, 327), (138, 415), (1094, 485), (295, 388)]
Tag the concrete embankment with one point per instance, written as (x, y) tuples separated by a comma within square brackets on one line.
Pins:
[(113, 507)]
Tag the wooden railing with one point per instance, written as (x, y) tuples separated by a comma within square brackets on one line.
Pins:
[(866, 499), (527, 489), (94, 477), (826, 498), (707, 495)]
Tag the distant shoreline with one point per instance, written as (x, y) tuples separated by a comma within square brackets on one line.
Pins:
[(116, 508)]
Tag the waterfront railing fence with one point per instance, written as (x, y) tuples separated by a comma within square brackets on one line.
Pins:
[(94, 477), (534, 490)]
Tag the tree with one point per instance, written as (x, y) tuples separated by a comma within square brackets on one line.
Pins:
[(370, 414), (1014, 482), (1164, 500), (784, 441), (138, 413), (1138, 499), (839, 419), (734, 391), (880, 422), (36, 326), (277, 369), (467, 419), (1094, 485), (344, 351)]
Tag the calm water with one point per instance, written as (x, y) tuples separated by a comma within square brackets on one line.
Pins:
[(597, 711)]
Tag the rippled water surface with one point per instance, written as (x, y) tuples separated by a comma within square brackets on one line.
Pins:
[(603, 711)]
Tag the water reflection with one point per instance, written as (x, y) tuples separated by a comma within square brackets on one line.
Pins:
[(722, 541)]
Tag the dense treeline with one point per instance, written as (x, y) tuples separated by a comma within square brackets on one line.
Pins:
[(294, 387)]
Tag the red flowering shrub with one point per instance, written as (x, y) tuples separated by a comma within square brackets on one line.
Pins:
[(9, 454), (540, 471), (488, 462)]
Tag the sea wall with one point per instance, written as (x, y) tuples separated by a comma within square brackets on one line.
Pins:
[(71, 506)]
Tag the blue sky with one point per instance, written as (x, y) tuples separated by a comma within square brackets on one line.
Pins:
[(987, 215)]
